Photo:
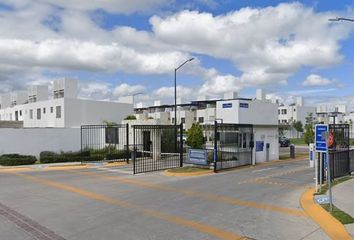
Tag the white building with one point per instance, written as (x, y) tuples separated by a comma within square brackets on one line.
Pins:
[(325, 112), (259, 112), (295, 112), (64, 111)]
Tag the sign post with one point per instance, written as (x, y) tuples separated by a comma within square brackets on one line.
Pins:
[(322, 140)]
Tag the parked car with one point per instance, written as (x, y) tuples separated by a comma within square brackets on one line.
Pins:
[(284, 142)]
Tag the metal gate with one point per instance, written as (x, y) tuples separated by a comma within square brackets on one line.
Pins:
[(230, 144), (157, 147), (107, 142)]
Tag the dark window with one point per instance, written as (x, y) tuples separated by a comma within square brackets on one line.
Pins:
[(58, 111), (38, 113), (183, 120), (112, 135), (201, 119), (51, 109), (44, 110)]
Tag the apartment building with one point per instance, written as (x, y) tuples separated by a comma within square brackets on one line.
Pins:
[(295, 112)]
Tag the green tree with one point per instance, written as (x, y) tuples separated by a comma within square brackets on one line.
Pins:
[(309, 136), (195, 137), (297, 125), (130, 117)]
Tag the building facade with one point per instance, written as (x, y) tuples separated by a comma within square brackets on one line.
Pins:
[(64, 110)]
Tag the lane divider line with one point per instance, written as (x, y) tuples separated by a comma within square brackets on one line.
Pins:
[(204, 228), (208, 196)]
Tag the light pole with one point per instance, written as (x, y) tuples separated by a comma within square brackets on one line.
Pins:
[(135, 94), (176, 69), (337, 19)]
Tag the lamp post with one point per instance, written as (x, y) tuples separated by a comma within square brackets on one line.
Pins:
[(136, 94), (176, 69)]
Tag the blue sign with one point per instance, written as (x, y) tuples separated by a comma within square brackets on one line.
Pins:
[(198, 156), (321, 131), (227, 105), (243, 105), (259, 146)]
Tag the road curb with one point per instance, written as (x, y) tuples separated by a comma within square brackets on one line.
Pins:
[(189, 174), (331, 226)]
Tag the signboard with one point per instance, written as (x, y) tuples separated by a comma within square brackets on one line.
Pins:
[(259, 146), (243, 105), (227, 105), (198, 156), (321, 132), (322, 199)]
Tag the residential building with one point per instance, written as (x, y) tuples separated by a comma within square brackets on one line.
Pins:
[(295, 112), (65, 110), (325, 113)]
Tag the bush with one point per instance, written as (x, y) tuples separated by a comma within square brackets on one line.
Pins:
[(130, 117), (52, 157), (195, 136), (16, 159)]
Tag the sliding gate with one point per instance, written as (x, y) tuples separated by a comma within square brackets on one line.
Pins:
[(106, 142), (157, 147)]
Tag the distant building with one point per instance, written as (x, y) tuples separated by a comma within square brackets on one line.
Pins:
[(65, 110), (295, 112), (325, 113)]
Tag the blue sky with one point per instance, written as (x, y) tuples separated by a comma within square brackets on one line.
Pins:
[(119, 48)]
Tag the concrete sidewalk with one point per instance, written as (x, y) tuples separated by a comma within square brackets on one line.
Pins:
[(343, 198)]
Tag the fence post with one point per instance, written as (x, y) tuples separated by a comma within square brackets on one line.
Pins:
[(215, 145), (127, 139), (181, 145), (134, 151)]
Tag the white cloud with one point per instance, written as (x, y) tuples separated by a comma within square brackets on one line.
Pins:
[(113, 6), (168, 92), (127, 90), (316, 80), (267, 44)]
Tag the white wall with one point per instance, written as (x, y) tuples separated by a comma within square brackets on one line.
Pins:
[(80, 112), (32, 141), (257, 112), (267, 135)]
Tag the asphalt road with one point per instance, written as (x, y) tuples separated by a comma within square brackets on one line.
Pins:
[(105, 203)]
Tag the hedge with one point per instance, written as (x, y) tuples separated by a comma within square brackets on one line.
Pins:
[(59, 158), (16, 159)]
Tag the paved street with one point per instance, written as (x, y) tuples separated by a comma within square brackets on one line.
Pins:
[(100, 203)]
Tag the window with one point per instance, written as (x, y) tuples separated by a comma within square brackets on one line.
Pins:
[(31, 113), (278, 111), (44, 110), (283, 111), (38, 113), (294, 109), (183, 120), (58, 111), (20, 112), (200, 119), (173, 120), (51, 109)]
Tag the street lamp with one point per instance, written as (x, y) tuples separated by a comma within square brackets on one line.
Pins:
[(136, 94), (176, 69), (337, 19)]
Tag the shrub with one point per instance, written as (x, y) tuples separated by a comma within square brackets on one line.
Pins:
[(16, 159), (130, 117), (52, 157), (195, 136)]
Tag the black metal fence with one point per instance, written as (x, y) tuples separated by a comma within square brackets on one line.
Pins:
[(351, 157), (340, 163), (157, 147), (341, 135), (108, 142), (232, 144)]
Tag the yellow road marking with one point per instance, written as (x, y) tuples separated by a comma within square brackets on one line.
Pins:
[(204, 228), (327, 222), (213, 197)]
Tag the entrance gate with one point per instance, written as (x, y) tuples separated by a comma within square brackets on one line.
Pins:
[(157, 147), (108, 142)]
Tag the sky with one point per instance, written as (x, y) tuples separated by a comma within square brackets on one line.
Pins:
[(117, 48)]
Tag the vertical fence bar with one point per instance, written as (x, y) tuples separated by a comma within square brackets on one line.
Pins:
[(181, 146), (127, 142), (215, 146)]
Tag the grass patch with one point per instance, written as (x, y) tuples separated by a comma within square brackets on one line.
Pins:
[(188, 169), (339, 214), (324, 187), (298, 141)]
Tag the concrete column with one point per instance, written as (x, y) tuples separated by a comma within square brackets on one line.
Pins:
[(156, 144)]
